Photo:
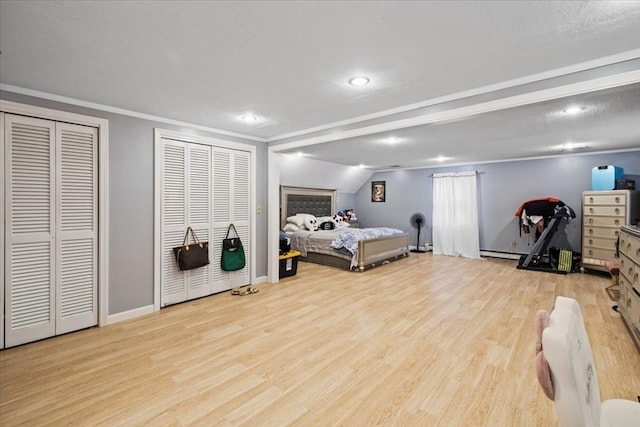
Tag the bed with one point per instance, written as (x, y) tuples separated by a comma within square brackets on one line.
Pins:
[(315, 246)]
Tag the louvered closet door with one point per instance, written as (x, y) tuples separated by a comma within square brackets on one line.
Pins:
[(51, 228), (76, 241), (29, 233), (231, 173), (186, 201), (199, 213)]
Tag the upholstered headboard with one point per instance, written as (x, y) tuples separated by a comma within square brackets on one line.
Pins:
[(314, 201)]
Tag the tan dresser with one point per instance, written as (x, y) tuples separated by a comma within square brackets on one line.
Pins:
[(629, 302), (603, 213)]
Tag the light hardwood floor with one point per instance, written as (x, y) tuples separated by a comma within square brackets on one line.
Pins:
[(424, 341)]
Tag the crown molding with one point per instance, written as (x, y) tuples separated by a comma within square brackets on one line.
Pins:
[(115, 110)]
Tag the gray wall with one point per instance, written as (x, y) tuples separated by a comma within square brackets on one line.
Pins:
[(345, 201), (131, 201), (502, 188)]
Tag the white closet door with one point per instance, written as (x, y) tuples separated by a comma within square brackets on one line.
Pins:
[(76, 236), (30, 225), (241, 213), (173, 220), (198, 203), (231, 173), (186, 202)]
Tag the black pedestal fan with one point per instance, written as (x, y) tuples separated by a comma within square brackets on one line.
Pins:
[(418, 221)]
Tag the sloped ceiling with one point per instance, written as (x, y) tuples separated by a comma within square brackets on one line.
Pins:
[(288, 64)]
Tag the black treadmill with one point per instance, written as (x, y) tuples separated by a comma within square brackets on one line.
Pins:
[(552, 211)]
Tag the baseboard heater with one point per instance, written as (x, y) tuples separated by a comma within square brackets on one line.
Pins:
[(489, 254), (502, 255)]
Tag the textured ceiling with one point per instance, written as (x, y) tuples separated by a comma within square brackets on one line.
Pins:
[(207, 63), (610, 120)]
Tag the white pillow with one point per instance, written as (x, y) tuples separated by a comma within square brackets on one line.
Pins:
[(297, 220), (289, 227)]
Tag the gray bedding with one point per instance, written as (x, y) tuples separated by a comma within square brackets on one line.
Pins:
[(306, 241)]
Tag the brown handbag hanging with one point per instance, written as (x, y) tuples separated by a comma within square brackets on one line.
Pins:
[(192, 255)]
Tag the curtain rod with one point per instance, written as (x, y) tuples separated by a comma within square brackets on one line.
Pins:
[(477, 173)]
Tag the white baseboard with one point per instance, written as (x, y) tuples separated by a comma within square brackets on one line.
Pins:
[(137, 312), (131, 314)]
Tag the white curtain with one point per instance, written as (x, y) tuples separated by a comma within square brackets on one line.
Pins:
[(455, 214)]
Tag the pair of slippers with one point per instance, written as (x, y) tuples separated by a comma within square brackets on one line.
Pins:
[(244, 291)]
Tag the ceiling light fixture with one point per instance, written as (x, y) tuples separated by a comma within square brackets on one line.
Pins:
[(358, 81), (300, 154), (249, 118), (573, 110), (441, 158), (570, 146)]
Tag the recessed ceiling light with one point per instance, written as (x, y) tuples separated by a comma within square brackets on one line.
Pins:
[(570, 146), (573, 110), (359, 81), (441, 158), (249, 118), (300, 154)]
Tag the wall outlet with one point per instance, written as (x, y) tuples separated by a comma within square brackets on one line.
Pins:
[(259, 209), (513, 243)]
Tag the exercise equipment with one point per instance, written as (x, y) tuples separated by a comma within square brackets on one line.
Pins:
[(545, 215)]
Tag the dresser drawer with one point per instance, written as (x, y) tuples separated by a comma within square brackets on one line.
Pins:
[(606, 232), (602, 254), (630, 246), (598, 242), (627, 267), (624, 294), (605, 199), (603, 221), (625, 285), (618, 211), (632, 307)]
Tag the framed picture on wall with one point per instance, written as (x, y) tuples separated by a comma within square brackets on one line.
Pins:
[(378, 191)]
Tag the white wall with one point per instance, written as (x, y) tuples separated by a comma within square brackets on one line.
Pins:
[(303, 172)]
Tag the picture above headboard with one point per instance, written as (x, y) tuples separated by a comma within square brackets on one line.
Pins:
[(314, 201)]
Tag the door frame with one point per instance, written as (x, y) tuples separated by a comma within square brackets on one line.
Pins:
[(102, 125), (158, 135)]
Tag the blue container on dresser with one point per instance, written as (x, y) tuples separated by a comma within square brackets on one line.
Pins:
[(604, 177)]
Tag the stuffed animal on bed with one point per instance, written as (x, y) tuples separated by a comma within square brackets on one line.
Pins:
[(304, 221), (326, 223), (340, 222), (311, 223)]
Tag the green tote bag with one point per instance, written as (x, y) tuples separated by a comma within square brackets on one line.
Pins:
[(232, 252)]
